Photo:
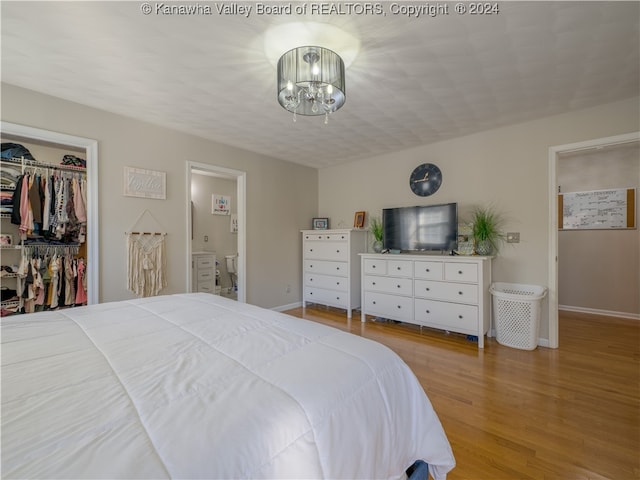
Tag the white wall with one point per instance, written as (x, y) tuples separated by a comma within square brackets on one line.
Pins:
[(507, 167), (273, 238)]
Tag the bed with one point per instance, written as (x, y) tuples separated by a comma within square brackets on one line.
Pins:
[(200, 386)]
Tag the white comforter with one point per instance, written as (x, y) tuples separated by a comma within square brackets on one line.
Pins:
[(198, 386)]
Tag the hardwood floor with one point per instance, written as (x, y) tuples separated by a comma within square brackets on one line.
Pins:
[(570, 413)]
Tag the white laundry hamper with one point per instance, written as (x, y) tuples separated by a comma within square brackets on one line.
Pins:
[(516, 310)]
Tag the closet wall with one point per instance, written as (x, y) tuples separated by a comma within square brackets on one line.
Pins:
[(44, 254)]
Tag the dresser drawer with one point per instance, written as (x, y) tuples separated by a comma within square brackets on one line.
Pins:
[(206, 287), (326, 281), (320, 237), (428, 270), (447, 316), (388, 306), (453, 292), (326, 297), (376, 266), (461, 272), (205, 275), (205, 262), (395, 286), (400, 268), (336, 251), (326, 267)]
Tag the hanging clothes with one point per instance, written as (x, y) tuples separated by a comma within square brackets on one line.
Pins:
[(81, 292), (146, 264)]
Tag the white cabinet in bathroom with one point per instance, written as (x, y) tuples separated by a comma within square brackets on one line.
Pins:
[(331, 267), (203, 269)]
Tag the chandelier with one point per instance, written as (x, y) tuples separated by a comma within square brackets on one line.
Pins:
[(311, 81)]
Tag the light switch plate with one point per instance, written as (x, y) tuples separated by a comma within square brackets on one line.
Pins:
[(513, 237)]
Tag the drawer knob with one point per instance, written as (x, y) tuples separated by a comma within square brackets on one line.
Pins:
[(337, 283), (460, 317), (327, 236), (460, 272), (311, 279), (374, 302), (398, 286), (427, 311), (398, 268), (373, 283), (337, 298), (428, 289), (310, 266), (399, 306), (311, 249), (459, 293), (427, 270), (373, 266)]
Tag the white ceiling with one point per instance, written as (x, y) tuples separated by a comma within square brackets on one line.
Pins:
[(415, 80)]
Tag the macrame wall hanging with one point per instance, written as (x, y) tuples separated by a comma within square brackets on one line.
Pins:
[(146, 260)]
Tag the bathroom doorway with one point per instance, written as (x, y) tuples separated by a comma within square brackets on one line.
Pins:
[(216, 229)]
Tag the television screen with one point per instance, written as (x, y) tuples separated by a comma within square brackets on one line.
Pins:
[(421, 228)]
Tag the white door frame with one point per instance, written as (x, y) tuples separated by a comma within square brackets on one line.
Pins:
[(554, 153), (90, 146), (241, 181)]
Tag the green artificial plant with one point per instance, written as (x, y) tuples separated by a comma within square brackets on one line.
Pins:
[(487, 234), (375, 227)]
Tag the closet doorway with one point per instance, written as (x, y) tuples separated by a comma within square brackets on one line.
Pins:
[(216, 220), (556, 154)]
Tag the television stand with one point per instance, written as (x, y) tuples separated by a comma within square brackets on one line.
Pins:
[(439, 291)]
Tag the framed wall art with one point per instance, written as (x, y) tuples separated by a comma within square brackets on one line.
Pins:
[(139, 182), (358, 220), (320, 223), (220, 204)]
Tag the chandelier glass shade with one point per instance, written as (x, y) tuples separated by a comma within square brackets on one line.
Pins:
[(311, 81)]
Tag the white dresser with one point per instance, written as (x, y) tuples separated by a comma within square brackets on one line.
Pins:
[(331, 267), (444, 292), (203, 268)]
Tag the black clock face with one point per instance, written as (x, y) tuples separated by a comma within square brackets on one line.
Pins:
[(425, 180)]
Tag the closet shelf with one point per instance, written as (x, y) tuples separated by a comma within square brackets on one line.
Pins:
[(23, 162)]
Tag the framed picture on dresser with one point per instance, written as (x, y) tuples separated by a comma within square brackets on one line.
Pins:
[(320, 223)]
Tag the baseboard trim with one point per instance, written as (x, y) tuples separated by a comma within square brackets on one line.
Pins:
[(595, 311), (291, 306)]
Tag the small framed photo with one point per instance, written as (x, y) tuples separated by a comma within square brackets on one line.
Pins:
[(320, 223), (358, 221), (6, 240)]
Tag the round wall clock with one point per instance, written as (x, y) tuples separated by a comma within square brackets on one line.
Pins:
[(425, 179)]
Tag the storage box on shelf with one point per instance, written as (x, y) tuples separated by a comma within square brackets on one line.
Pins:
[(447, 293), (331, 268)]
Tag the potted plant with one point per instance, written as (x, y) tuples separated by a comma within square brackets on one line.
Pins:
[(486, 230), (375, 227)]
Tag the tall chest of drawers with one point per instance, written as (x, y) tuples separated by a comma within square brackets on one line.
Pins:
[(331, 267), (448, 293), (203, 268)]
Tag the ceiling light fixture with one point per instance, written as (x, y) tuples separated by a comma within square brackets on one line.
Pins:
[(311, 81)]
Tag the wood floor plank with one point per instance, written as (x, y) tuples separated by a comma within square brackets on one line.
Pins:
[(567, 413)]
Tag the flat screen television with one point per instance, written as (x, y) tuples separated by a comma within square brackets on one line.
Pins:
[(424, 228)]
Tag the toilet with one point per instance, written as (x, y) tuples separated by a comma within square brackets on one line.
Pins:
[(232, 270)]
